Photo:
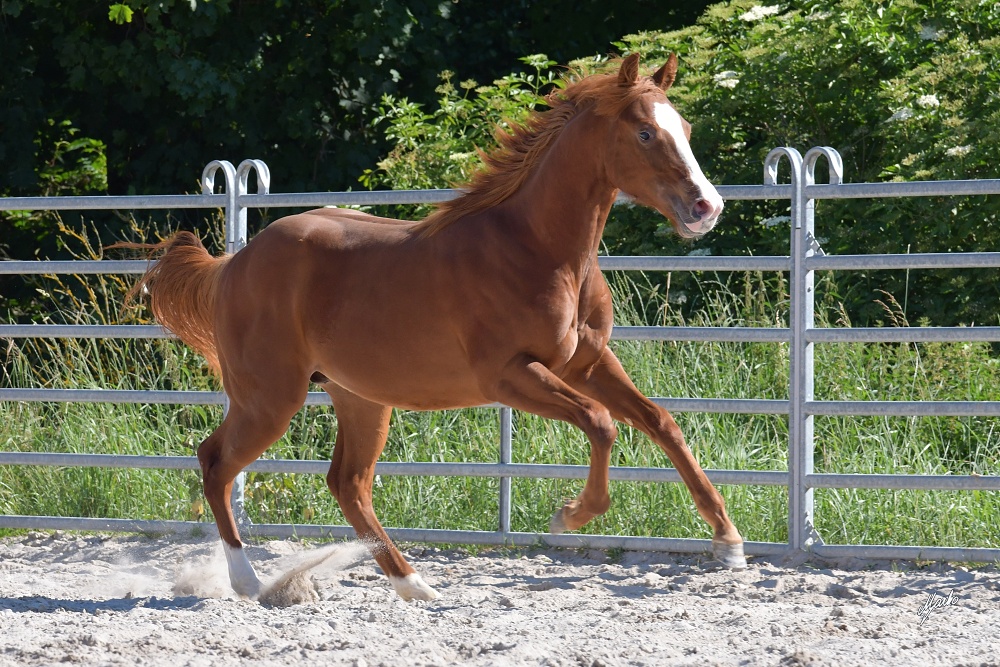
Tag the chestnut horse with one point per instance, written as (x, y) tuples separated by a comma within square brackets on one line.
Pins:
[(495, 297)]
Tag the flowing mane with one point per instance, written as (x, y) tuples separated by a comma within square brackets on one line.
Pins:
[(507, 167)]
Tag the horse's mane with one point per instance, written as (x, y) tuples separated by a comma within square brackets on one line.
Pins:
[(508, 166)]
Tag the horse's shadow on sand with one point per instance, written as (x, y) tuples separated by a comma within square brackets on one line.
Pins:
[(42, 604)]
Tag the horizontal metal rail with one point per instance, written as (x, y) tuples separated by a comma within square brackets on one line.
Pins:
[(716, 405), (396, 197), (975, 260), (83, 331), (904, 189), (160, 397), (751, 192), (904, 408), (319, 398), (912, 482), (877, 552), (705, 263), (704, 334), (929, 260), (719, 334), (74, 267), (633, 333), (903, 335), (522, 471), (396, 468), (362, 198), (761, 406), (111, 202)]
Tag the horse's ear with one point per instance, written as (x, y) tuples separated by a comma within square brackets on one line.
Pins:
[(628, 75), (664, 77)]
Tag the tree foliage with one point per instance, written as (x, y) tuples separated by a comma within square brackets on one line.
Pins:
[(904, 90), (168, 86), (440, 147)]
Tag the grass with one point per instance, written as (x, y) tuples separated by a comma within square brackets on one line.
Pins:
[(677, 369)]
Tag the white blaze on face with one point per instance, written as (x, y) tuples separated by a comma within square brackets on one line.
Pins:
[(668, 119)]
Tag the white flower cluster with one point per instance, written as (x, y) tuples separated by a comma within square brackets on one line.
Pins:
[(927, 101), (903, 114), (958, 151), (760, 11), (727, 79)]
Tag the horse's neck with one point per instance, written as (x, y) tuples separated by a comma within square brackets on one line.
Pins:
[(565, 203)]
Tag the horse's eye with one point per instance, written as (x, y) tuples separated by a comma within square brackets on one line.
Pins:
[(644, 135)]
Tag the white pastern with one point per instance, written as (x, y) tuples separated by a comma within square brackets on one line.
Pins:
[(241, 575), (668, 119), (412, 587)]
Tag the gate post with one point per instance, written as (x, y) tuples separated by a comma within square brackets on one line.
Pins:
[(808, 246), (236, 238), (506, 440), (800, 371)]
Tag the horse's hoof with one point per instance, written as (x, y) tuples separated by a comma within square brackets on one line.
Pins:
[(241, 575), (557, 524), (730, 555), (412, 587), (247, 590)]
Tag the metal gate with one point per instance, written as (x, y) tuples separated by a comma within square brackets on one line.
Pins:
[(805, 257)]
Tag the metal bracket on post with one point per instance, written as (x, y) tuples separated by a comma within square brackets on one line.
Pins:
[(813, 538), (815, 246)]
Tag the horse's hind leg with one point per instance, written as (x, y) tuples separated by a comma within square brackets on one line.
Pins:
[(362, 429), (242, 437)]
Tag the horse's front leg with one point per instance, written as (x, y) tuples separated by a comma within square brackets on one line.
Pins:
[(608, 383), (528, 385)]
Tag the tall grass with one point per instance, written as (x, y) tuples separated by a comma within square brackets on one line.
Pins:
[(676, 369)]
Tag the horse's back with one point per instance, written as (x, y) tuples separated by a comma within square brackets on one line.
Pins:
[(358, 298)]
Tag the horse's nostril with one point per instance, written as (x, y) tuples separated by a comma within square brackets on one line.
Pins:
[(701, 208)]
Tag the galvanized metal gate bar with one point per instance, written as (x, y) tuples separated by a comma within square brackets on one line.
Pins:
[(801, 263)]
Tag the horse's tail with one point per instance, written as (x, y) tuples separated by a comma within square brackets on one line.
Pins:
[(181, 289)]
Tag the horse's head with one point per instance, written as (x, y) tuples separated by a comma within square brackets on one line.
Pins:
[(652, 160)]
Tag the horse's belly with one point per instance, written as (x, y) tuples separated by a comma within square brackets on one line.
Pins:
[(402, 376)]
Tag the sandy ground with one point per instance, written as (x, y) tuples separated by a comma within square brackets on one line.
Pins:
[(99, 600)]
